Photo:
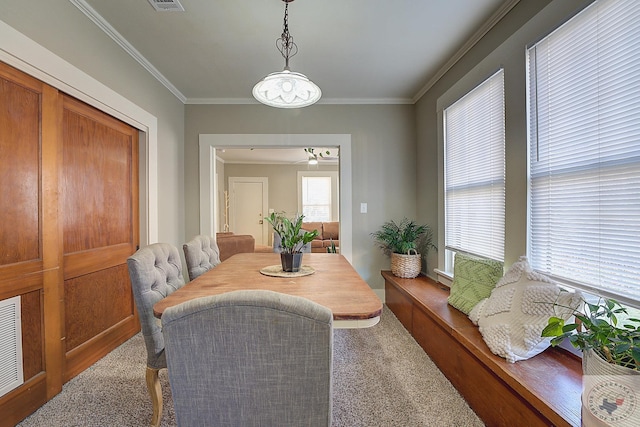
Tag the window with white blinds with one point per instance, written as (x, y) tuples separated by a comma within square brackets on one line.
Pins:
[(474, 171), (316, 198), (584, 122)]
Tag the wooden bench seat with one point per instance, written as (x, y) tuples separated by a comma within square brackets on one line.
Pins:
[(543, 390)]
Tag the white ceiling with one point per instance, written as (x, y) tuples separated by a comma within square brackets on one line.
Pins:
[(357, 51)]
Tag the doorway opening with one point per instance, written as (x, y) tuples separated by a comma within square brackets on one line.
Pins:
[(210, 205)]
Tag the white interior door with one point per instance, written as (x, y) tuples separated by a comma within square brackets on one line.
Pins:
[(248, 206)]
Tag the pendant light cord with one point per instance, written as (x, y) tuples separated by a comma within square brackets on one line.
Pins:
[(285, 43)]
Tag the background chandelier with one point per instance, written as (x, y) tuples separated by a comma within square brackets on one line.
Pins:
[(286, 89)]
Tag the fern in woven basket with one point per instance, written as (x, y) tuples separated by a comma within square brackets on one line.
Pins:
[(403, 242), (403, 237)]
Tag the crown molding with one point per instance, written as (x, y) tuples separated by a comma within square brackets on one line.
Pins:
[(367, 101), (324, 101), (95, 17)]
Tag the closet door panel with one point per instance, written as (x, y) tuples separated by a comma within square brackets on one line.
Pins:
[(99, 211), (31, 305), (113, 286), (23, 257), (97, 183), (19, 175)]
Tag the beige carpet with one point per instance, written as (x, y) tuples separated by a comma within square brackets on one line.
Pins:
[(381, 378)]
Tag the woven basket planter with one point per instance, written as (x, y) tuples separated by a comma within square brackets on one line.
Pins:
[(406, 266)]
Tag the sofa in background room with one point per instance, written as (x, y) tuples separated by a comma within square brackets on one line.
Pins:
[(327, 232)]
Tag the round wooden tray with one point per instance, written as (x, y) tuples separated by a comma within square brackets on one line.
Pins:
[(276, 271)]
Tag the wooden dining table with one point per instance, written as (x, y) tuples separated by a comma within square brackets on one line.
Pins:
[(334, 283)]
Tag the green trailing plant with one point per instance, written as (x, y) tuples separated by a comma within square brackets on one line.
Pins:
[(401, 238), (291, 234), (603, 327), (311, 152)]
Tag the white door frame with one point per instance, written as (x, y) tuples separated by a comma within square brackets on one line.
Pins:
[(265, 202), (209, 143)]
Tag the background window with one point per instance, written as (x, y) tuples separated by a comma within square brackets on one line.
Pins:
[(584, 124), (474, 163), (316, 198)]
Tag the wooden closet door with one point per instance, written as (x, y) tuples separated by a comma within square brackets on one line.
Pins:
[(68, 221), (99, 215), (29, 239)]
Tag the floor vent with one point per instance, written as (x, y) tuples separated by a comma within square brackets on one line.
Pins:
[(10, 345), (167, 5)]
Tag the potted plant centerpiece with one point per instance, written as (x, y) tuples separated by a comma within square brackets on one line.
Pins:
[(402, 242), (293, 239), (610, 344)]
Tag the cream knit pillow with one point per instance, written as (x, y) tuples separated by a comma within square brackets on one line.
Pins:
[(513, 317)]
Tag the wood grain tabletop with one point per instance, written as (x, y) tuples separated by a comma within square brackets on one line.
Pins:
[(334, 284)]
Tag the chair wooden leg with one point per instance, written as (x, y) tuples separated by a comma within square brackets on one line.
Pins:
[(155, 391)]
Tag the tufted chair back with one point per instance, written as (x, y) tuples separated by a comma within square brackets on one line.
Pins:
[(155, 272), (277, 244), (250, 358), (201, 255)]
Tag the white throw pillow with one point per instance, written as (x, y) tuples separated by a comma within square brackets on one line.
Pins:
[(513, 317)]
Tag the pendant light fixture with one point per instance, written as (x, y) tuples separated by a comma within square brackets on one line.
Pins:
[(286, 89)]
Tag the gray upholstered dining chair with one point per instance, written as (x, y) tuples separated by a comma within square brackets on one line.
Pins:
[(201, 254), (155, 272), (277, 244), (250, 358)]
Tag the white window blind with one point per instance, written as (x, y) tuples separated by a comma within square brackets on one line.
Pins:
[(475, 170), (584, 94), (316, 198)]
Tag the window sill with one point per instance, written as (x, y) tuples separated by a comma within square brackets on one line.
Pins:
[(444, 277)]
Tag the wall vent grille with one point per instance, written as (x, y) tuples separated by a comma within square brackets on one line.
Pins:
[(167, 5), (11, 375)]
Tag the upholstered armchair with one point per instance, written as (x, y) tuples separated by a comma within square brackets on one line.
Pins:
[(155, 272), (231, 244), (201, 254), (250, 358)]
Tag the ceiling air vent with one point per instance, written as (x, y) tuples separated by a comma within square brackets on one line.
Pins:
[(167, 5)]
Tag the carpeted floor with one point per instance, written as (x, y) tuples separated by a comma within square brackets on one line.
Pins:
[(381, 378)]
